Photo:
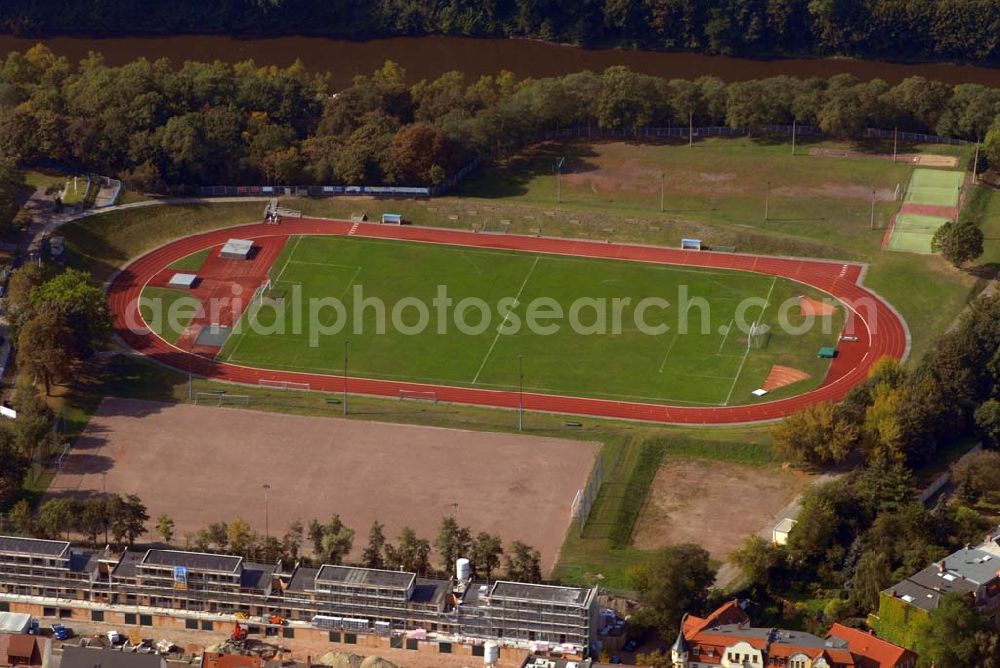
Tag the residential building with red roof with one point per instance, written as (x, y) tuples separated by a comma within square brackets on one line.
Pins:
[(725, 639)]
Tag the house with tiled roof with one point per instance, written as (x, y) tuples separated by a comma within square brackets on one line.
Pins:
[(726, 639)]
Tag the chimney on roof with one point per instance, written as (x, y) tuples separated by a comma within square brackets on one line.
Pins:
[(941, 566)]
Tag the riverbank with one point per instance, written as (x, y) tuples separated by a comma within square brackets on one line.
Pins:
[(429, 57)]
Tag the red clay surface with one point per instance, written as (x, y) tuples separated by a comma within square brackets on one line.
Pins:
[(879, 330), (815, 307), (400, 475), (949, 212), (217, 281), (782, 376)]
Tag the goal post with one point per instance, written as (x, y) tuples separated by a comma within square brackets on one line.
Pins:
[(759, 336), (221, 399), (283, 385), (418, 395)]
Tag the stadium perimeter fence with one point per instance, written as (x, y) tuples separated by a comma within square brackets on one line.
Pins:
[(584, 500), (334, 190), (683, 131)]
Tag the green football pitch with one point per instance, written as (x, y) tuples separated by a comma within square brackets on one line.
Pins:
[(936, 187), (711, 364)]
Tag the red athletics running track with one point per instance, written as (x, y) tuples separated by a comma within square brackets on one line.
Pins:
[(879, 330)]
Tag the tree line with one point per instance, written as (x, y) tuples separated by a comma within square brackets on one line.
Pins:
[(162, 127), (332, 542), (915, 29)]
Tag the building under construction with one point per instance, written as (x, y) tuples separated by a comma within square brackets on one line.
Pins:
[(194, 590)]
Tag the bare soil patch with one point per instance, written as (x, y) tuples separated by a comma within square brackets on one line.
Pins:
[(837, 191), (923, 159), (713, 504), (202, 464)]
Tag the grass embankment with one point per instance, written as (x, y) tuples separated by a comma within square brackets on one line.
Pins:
[(105, 242)]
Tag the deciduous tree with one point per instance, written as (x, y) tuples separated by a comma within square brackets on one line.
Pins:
[(672, 582), (959, 242)]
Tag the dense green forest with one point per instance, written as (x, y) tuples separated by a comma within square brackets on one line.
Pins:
[(203, 123), (963, 30)]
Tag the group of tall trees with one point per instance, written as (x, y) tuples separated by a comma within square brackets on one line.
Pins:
[(928, 29), (56, 320), (98, 518), (161, 126), (333, 542), (867, 530), (902, 416)]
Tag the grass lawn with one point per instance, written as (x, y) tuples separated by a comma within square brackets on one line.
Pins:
[(105, 242), (983, 208), (84, 190), (192, 262), (44, 178), (717, 181), (701, 357), (175, 315)]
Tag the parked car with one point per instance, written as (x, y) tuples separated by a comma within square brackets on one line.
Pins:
[(115, 638), (60, 632), (616, 659)]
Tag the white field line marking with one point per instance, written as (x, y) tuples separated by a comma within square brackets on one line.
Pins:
[(343, 293), (729, 327), (298, 240), (746, 353), (670, 347), (479, 270), (247, 315), (517, 299)]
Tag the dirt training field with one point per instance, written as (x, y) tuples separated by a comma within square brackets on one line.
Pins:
[(201, 465), (713, 504)]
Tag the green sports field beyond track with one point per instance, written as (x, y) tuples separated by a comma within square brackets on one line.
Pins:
[(710, 367)]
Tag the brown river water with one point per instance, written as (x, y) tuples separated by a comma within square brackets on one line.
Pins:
[(428, 57)]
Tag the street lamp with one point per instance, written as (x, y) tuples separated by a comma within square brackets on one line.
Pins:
[(520, 392), (347, 345), (267, 527)]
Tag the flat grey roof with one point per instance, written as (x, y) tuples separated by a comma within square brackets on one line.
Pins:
[(221, 563), (183, 280), (33, 546), (973, 564), (543, 593), (365, 577), (237, 247)]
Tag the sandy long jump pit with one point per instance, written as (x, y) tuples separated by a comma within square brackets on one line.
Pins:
[(202, 464)]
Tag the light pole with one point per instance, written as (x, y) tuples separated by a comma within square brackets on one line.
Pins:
[(520, 392), (767, 196), (873, 209), (347, 345), (267, 527), (559, 164)]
